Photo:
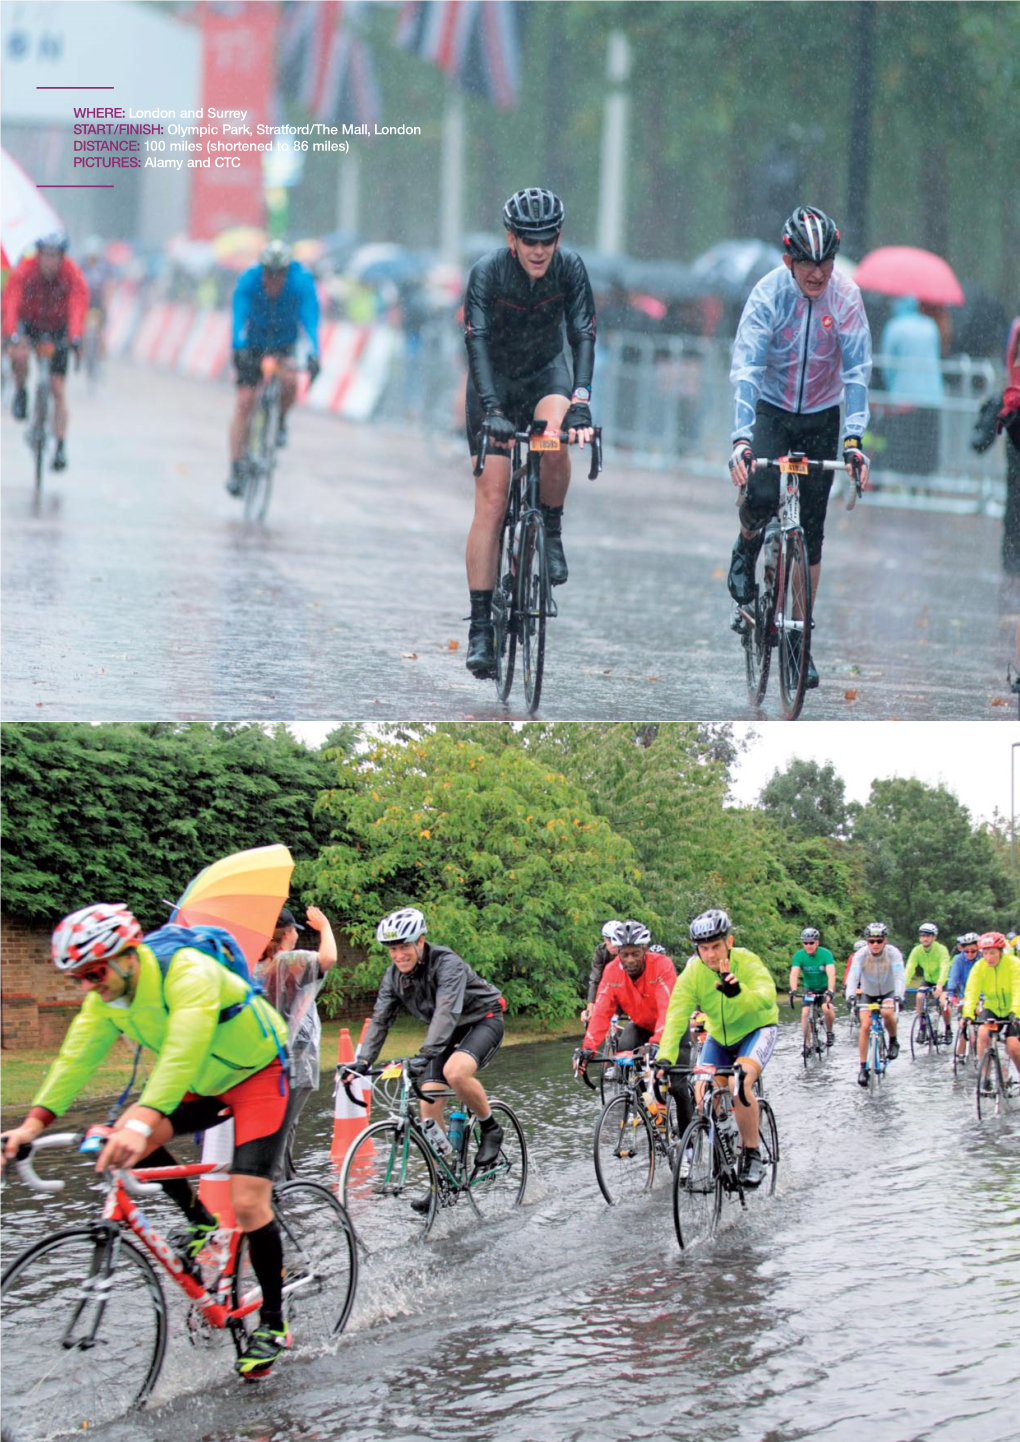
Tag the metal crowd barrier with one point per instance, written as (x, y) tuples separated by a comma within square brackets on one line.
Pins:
[(665, 401)]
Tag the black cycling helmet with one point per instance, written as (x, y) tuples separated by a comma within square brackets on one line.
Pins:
[(534, 214), (809, 234), (710, 925), (876, 931)]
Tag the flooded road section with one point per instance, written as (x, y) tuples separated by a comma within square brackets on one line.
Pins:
[(874, 1296), (134, 590)]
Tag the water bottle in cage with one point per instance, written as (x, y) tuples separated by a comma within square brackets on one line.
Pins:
[(437, 1139), (455, 1131), (726, 1130)]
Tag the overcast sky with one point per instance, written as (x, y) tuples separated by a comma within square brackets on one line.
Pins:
[(971, 758)]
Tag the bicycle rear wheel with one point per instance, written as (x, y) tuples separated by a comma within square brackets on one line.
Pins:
[(258, 471), (387, 1171), (500, 1187), (758, 641), (320, 1263), (876, 1064), (82, 1332), (624, 1150), (768, 1146), (504, 624), (39, 435), (697, 1186), (532, 598), (794, 625)]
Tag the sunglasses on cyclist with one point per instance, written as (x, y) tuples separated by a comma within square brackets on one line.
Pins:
[(93, 975), (875, 941), (969, 949)]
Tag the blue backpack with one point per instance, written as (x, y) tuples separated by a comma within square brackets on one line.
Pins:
[(217, 942)]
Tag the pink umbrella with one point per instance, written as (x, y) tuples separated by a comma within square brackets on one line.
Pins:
[(25, 214), (905, 270)]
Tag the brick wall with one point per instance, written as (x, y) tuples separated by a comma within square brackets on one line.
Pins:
[(37, 1005)]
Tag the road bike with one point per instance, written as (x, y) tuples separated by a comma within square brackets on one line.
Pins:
[(778, 617), (878, 1051), (710, 1153), (394, 1182), (813, 1030), (926, 1029), (998, 1082), (966, 1034), (84, 1319), (522, 600), (258, 464), (636, 1129)]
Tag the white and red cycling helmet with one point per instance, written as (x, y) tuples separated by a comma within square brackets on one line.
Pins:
[(95, 933)]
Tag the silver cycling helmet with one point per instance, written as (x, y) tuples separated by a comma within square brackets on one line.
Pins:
[(277, 255), (710, 925), (876, 931), (401, 926), (811, 933), (534, 214), (609, 930), (633, 933), (928, 928), (660, 950), (93, 934), (969, 938)]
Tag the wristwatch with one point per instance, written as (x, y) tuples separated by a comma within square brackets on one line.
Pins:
[(581, 393)]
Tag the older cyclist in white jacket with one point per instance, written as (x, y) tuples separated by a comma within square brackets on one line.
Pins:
[(802, 345), (877, 972)]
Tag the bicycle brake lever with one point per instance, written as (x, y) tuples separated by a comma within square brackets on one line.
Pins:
[(596, 454)]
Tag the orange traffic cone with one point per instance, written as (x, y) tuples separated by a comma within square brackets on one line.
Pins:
[(214, 1189), (350, 1118)]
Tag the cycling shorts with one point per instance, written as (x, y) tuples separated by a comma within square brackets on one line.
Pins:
[(518, 398), (258, 1107), (480, 1039), (58, 361), (757, 1046), (249, 367), (632, 1036), (776, 432), (866, 1000), (1006, 1028)]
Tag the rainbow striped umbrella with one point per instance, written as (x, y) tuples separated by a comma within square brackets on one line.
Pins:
[(243, 893)]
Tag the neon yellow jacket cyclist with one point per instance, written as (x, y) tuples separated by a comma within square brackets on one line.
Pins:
[(934, 964), (1000, 986), (178, 1018), (727, 1018)]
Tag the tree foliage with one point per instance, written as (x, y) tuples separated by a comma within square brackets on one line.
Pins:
[(132, 812), (807, 799), (924, 860), (505, 856)]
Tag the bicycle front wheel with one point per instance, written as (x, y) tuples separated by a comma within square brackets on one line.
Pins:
[(758, 641), (990, 1087), (389, 1186), (697, 1186), (921, 1039), (320, 1263), (794, 625), (39, 436), (82, 1332), (503, 622), (624, 1150), (532, 597), (499, 1188)]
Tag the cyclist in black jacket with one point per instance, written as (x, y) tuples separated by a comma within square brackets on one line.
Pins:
[(464, 1013), (517, 303)]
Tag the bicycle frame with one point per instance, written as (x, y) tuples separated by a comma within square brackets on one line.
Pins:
[(876, 1039)]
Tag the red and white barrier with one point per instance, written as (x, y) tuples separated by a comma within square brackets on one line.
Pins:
[(350, 1118)]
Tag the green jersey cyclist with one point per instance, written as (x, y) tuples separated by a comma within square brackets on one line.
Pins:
[(517, 304), (817, 965), (217, 1046), (736, 993), (933, 961)]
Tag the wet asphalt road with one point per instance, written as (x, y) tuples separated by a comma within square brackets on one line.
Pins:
[(135, 591), (874, 1296)]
